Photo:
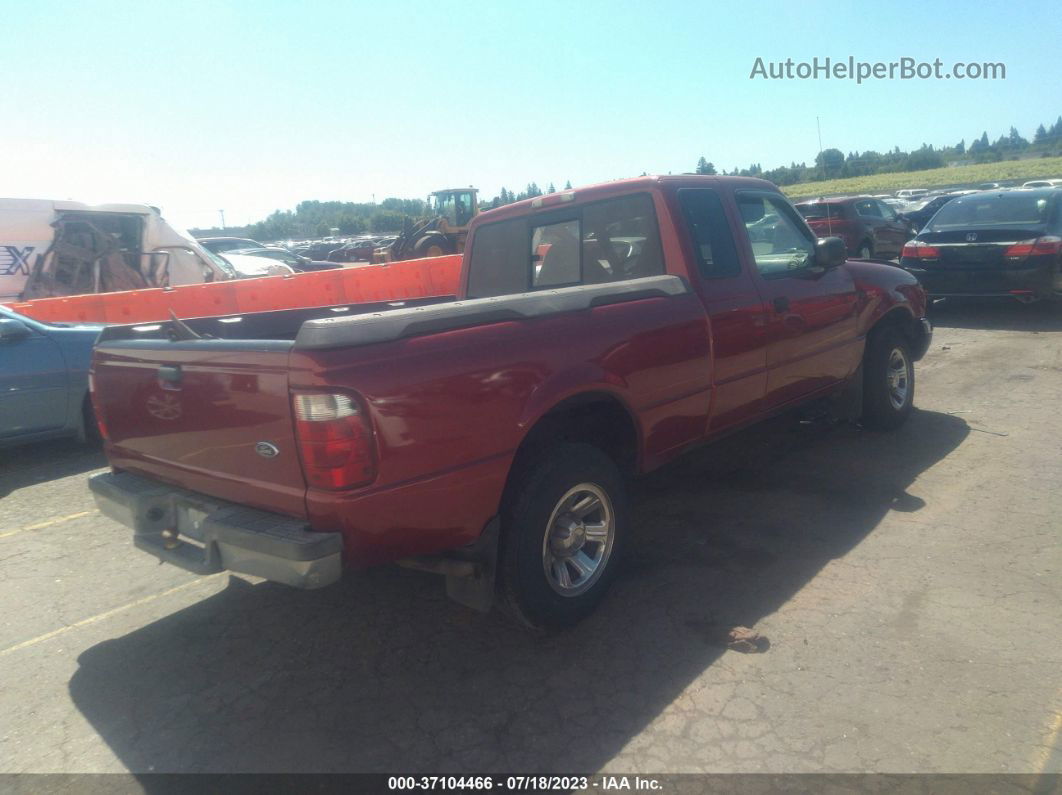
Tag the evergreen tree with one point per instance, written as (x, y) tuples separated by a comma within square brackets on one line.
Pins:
[(568, 185)]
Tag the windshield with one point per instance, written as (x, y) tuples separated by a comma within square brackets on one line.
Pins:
[(820, 210), (1006, 209), (221, 262)]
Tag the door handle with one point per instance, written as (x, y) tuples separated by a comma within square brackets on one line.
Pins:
[(781, 304)]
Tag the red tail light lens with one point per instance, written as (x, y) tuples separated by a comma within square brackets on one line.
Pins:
[(335, 440), (914, 250), (1040, 246), (96, 410)]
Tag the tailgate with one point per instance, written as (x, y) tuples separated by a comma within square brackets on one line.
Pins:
[(213, 416)]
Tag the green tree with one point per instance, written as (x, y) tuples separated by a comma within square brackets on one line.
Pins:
[(387, 221), (830, 163), (568, 185)]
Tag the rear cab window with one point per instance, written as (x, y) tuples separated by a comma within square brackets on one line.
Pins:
[(595, 243)]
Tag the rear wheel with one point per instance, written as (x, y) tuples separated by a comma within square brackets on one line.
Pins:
[(433, 246), (888, 380), (562, 535)]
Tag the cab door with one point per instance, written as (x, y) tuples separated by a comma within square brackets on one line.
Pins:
[(736, 311), (894, 230), (812, 324)]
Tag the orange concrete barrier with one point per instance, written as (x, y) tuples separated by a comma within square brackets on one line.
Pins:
[(444, 274), (200, 300), (148, 305), (394, 281)]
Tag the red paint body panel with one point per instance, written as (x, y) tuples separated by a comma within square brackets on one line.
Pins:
[(450, 409), (201, 432)]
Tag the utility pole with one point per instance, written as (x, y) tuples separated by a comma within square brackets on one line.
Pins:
[(822, 164), (222, 218)]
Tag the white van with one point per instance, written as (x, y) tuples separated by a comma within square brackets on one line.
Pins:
[(911, 193), (53, 248)]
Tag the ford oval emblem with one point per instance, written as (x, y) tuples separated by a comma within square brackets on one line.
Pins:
[(267, 450), (971, 237)]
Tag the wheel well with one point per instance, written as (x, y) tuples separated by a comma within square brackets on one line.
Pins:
[(596, 419), (898, 318)]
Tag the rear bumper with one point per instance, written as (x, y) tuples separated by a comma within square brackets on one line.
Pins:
[(1041, 282), (205, 535)]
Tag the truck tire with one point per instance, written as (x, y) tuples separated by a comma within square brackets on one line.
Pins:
[(562, 535), (888, 380), (433, 246)]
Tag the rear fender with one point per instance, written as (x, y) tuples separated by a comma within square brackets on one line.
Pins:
[(587, 378)]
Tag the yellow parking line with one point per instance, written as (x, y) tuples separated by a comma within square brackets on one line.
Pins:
[(93, 619), (49, 523), (1043, 755)]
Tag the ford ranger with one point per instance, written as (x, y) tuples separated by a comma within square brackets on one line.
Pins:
[(597, 334)]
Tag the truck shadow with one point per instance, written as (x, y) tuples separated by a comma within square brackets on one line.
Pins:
[(1003, 315), (381, 673), (41, 462)]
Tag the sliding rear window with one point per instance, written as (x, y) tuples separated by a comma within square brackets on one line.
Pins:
[(608, 241)]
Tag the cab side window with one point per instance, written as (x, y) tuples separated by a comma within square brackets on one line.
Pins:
[(868, 208), (780, 243), (713, 242)]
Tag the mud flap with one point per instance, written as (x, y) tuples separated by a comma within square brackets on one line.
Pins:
[(477, 591), (847, 404)]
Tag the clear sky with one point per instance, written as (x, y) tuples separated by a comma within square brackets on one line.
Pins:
[(251, 106)]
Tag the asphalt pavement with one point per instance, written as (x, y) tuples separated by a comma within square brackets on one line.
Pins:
[(908, 585)]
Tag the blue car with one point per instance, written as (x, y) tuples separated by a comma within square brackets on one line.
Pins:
[(44, 380)]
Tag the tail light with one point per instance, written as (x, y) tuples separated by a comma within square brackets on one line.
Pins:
[(1039, 246), (916, 250), (97, 411), (335, 440)]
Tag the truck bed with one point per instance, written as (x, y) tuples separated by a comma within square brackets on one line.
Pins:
[(187, 402)]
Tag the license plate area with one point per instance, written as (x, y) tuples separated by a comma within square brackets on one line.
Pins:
[(189, 516)]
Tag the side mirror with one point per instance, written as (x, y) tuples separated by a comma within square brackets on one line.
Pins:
[(830, 252), (12, 330)]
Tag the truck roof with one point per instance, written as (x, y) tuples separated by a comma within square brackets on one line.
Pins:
[(620, 187), (62, 204)]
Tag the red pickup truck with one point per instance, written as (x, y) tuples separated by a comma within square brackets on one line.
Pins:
[(597, 334)]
